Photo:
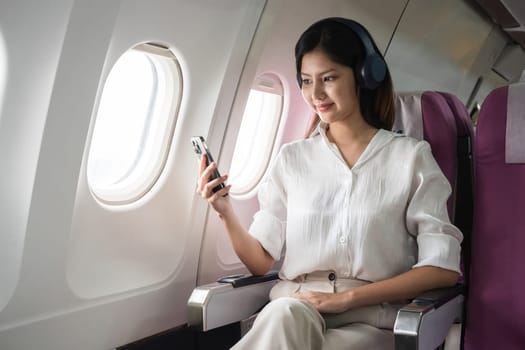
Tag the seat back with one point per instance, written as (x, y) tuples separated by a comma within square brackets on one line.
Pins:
[(443, 121), (428, 116), (464, 202), (496, 308)]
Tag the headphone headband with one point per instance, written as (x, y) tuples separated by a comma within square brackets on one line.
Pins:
[(372, 71)]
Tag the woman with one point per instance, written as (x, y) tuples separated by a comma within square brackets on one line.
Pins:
[(361, 210)]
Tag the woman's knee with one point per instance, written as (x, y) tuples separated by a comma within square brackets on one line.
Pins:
[(285, 323), (286, 304), (290, 308)]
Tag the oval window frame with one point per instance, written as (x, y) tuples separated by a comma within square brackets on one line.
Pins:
[(132, 188), (244, 185)]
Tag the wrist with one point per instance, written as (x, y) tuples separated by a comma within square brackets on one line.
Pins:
[(351, 299), (227, 215)]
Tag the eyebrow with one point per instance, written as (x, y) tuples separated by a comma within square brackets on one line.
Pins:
[(322, 73)]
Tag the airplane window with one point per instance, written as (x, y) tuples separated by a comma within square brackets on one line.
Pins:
[(257, 134), (134, 124)]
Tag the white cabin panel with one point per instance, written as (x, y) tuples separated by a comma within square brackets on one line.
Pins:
[(107, 276), (30, 46)]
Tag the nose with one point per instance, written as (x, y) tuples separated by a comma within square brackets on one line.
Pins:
[(318, 92)]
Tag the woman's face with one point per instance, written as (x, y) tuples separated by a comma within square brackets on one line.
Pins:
[(328, 87)]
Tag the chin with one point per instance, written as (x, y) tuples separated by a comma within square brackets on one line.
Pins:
[(327, 119)]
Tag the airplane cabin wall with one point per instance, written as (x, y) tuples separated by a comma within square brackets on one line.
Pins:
[(69, 292), (31, 55)]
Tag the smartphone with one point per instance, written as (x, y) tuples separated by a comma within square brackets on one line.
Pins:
[(200, 148)]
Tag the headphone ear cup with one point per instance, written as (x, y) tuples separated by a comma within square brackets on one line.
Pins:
[(360, 74), (373, 71)]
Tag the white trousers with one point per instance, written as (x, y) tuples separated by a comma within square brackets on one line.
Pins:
[(287, 323)]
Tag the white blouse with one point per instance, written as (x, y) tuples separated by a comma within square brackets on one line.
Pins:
[(373, 221)]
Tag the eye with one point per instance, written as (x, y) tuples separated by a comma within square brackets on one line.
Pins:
[(306, 81), (329, 78)]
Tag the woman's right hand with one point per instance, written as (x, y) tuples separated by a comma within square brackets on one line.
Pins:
[(247, 247), (219, 200)]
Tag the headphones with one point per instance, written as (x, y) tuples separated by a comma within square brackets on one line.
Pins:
[(372, 70)]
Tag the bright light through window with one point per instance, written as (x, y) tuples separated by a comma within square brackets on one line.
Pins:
[(134, 124), (257, 134)]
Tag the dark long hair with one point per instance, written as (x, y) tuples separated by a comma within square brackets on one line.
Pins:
[(344, 47)]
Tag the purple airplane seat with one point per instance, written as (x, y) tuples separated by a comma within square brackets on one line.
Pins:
[(463, 122), (464, 176), (427, 115), (463, 214), (496, 307), (436, 118)]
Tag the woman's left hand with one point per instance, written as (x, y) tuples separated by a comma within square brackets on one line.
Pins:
[(325, 302)]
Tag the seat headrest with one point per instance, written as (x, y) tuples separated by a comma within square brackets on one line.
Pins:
[(515, 128), (408, 105), (464, 125)]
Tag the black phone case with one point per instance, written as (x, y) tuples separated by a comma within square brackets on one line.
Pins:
[(200, 147)]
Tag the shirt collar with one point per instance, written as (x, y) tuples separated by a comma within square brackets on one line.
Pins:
[(378, 142)]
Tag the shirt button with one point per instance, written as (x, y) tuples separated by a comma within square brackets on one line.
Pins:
[(331, 276), (342, 239)]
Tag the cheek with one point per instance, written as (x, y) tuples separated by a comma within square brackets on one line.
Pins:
[(306, 96), (348, 96)]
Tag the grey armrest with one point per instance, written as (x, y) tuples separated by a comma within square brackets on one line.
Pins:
[(228, 300), (424, 323)]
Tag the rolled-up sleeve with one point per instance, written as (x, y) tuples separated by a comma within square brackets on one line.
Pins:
[(438, 241), (269, 223)]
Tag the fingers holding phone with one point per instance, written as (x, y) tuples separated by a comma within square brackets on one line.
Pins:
[(210, 182), (211, 185)]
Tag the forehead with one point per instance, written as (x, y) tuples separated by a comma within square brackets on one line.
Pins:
[(317, 61)]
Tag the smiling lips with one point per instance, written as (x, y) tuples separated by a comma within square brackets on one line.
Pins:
[(323, 107)]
